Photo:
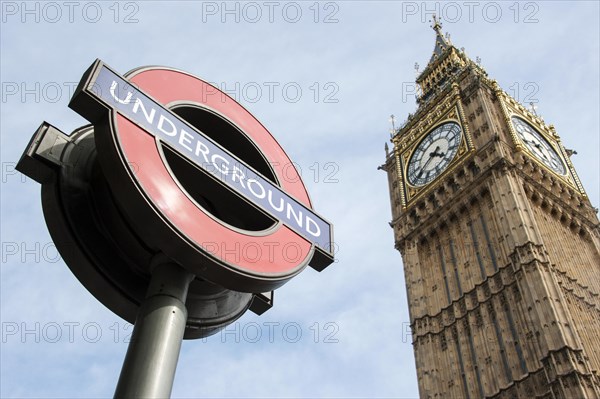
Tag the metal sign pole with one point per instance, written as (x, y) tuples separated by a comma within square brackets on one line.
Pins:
[(149, 366), (150, 214)]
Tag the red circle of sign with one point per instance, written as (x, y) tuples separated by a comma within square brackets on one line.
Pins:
[(278, 251)]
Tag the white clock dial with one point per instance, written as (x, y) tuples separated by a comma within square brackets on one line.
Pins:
[(538, 145), (434, 153)]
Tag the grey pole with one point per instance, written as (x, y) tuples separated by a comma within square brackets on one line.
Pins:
[(149, 367)]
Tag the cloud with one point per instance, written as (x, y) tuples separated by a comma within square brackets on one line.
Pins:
[(367, 58)]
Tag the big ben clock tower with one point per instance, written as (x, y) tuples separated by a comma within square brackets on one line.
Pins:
[(500, 244)]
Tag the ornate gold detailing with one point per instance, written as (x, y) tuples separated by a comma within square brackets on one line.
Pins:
[(567, 160), (491, 273), (449, 110), (461, 112), (399, 174), (510, 107)]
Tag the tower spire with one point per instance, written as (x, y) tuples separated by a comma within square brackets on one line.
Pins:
[(444, 63), (441, 43), (437, 26)]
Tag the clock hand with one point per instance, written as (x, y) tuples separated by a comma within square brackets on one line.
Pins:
[(542, 150), (431, 155), (434, 153), (536, 145), (425, 166)]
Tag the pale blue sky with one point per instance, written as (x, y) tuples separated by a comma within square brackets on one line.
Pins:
[(361, 60)]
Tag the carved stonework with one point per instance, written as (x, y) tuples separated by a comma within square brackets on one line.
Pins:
[(501, 253)]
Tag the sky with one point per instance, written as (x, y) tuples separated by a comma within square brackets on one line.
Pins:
[(339, 70)]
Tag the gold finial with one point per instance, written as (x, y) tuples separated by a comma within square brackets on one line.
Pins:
[(437, 26), (533, 108)]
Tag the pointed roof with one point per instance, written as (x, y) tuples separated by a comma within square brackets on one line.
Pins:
[(446, 61), (441, 44), (443, 48)]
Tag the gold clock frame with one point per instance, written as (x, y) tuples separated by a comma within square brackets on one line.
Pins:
[(522, 147), (447, 111), (510, 107)]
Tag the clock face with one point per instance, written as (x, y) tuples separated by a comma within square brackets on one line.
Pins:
[(538, 145), (434, 153)]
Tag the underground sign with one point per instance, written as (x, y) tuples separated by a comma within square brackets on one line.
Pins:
[(201, 179)]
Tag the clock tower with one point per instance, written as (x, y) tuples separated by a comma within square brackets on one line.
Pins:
[(499, 242)]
